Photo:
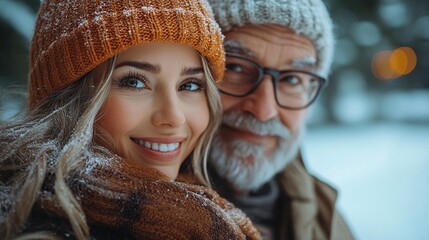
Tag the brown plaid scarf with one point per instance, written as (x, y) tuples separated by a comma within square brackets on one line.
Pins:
[(145, 204)]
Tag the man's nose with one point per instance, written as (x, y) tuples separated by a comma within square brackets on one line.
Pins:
[(262, 103), (168, 111)]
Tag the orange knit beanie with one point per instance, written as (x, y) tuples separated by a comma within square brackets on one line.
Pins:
[(72, 37)]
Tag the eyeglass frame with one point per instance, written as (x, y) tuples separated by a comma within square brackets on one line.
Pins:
[(275, 74)]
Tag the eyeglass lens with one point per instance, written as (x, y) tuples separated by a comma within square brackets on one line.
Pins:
[(293, 89)]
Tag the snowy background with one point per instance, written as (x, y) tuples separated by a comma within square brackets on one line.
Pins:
[(369, 131), (381, 172)]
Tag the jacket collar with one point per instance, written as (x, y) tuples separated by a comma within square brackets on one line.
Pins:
[(312, 202)]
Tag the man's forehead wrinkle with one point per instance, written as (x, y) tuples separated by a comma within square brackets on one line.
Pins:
[(235, 46), (277, 58)]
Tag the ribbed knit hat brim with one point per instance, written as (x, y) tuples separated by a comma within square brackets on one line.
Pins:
[(72, 37)]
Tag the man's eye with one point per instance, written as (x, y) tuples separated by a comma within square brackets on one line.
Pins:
[(291, 79), (234, 67)]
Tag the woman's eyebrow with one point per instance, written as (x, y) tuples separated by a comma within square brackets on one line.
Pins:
[(141, 65), (191, 71)]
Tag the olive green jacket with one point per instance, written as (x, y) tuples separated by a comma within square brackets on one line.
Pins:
[(309, 211)]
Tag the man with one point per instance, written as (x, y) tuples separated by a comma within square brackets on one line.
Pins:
[(278, 55)]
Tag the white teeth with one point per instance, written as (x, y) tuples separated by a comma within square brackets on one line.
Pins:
[(172, 146), (162, 147), (155, 146)]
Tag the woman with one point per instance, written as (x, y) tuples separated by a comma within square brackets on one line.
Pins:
[(121, 97)]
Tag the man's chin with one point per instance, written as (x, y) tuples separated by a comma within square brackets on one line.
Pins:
[(246, 166)]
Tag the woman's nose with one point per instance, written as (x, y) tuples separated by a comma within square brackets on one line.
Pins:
[(168, 111)]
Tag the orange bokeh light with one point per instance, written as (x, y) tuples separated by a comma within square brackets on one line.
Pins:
[(387, 65)]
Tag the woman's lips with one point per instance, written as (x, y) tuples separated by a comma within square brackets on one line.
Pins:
[(162, 149)]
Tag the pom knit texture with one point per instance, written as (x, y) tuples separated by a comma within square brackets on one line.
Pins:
[(74, 36), (309, 18)]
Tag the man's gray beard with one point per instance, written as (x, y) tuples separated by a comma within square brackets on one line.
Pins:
[(230, 158)]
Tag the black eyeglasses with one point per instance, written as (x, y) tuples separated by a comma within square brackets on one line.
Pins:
[(293, 89)]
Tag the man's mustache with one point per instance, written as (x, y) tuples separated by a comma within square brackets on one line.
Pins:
[(247, 122)]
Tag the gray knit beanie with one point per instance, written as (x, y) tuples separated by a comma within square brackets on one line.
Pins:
[(309, 18)]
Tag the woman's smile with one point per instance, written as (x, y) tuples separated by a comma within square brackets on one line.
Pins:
[(160, 149), (157, 107)]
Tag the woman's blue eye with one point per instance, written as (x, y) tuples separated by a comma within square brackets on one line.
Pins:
[(191, 86), (194, 85), (133, 83)]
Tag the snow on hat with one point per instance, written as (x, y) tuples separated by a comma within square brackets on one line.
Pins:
[(309, 18), (72, 37)]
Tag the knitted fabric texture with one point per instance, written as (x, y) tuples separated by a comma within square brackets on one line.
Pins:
[(72, 37), (309, 18), (145, 204)]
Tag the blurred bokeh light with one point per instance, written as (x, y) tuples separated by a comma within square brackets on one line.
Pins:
[(387, 65)]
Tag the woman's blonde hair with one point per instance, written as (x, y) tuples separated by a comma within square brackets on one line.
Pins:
[(58, 135), (201, 151)]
